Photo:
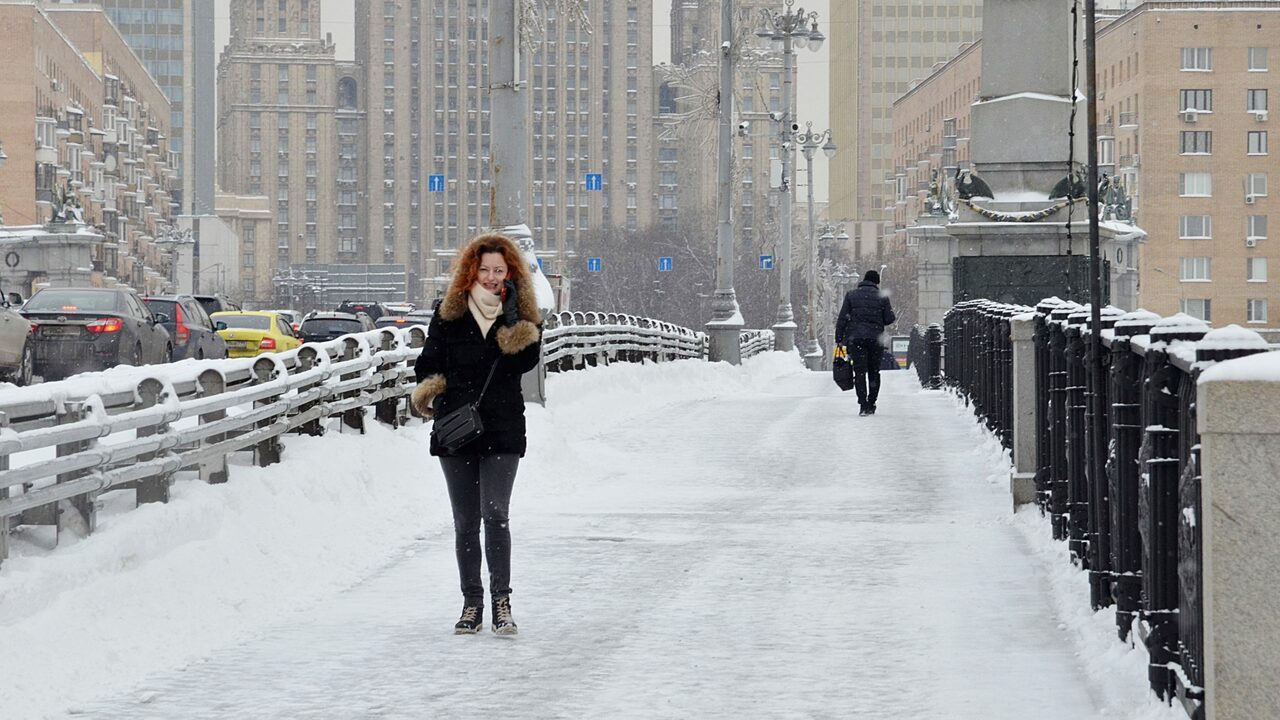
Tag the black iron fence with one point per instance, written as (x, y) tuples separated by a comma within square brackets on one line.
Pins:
[(924, 353), (1136, 531)]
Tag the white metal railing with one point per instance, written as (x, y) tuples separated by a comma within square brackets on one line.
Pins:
[(186, 416), (577, 339), (64, 443)]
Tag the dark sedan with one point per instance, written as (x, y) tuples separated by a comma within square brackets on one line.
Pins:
[(192, 330), (321, 326), (79, 329)]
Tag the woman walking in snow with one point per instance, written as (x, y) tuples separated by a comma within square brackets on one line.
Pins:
[(486, 333)]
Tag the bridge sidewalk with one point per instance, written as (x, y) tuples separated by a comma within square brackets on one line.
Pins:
[(695, 542)]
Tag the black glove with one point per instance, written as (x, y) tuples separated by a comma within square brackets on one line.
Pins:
[(510, 304)]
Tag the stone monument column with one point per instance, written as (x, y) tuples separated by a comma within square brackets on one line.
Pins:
[(1021, 120)]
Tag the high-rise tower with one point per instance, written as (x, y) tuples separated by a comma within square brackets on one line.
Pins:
[(277, 100)]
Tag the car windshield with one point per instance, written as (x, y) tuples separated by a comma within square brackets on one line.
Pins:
[(330, 326), (74, 301), (244, 322)]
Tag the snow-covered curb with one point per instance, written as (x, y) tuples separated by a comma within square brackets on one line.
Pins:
[(1114, 667)]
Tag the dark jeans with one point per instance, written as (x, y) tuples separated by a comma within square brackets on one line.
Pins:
[(865, 356), (480, 491)]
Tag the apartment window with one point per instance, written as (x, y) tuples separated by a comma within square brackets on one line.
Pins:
[(1195, 307), (312, 72), (282, 73), (1257, 142), (282, 96), (1106, 152), (1257, 311), (1257, 59), (1197, 142), (255, 71), (1195, 227), (1256, 100), (1197, 59), (1256, 269), (311, 121), (1195, 269), (1197, 100), (1196, 184), (1255, 185), (1256, 227), (282, 26)]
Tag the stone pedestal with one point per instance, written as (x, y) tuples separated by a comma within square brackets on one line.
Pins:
[(1239, 425), (1022, 485)]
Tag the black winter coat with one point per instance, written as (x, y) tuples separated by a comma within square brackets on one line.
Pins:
[(456, 360), (865, 313)]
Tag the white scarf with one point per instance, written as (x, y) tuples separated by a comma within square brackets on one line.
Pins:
[(485, 307)]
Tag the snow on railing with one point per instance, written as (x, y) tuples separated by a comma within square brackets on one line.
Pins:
[(578, 339), (754, 342), (63, 443)]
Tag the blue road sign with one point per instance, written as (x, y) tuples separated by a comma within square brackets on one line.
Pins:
[(435, 183), (665, 264), (594, 264), (766, 262), (595, 181)]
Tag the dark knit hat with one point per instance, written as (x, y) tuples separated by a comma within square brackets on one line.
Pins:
[(872, 277)]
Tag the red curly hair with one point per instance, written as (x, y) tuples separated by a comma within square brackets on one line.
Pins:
[(467, 271)]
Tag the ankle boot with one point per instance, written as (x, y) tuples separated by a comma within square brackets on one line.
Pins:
[(471, 621), (503, 624)]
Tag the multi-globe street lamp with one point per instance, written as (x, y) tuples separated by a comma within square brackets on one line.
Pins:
[(810, 140), (793, 28)]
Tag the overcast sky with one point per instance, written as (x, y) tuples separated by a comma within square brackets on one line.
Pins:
[(337, 17)]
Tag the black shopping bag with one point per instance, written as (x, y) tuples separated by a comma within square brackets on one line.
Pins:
[(841, 368)]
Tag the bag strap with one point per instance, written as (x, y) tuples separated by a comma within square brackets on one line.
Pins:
[(486, 380)]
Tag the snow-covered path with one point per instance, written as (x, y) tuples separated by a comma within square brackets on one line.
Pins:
[(693, 544)]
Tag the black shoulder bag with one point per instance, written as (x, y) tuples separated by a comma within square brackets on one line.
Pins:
[(463, 425)]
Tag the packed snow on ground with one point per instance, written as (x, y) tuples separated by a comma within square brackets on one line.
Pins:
[(691, 540)]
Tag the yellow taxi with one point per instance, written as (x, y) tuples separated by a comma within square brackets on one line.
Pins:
[(252, 333)]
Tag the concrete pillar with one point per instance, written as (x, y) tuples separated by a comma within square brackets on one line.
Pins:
[(1022, 484), (1239, 424)]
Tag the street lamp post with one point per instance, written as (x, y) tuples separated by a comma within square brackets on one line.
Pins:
[(784, 32), (810, 141), (726, 320)]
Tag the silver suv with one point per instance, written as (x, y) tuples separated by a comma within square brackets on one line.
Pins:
[(17, 356)]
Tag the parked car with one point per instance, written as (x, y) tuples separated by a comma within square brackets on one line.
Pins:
[(293, 317), (192, 330), (401, 308), (17, 356), (217, 303), (79, 329), (322, 326), (374, 310), (252, 333), (417, 317)]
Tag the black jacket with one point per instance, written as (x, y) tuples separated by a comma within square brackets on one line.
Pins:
[(456, 360), (864, 315)]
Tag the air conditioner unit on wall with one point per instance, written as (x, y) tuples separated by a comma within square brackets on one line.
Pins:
[(1251, 242), (1190, 116), (1260, 115), (1250, 199)]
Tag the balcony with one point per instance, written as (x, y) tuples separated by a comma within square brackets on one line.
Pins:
[(1129, 119)]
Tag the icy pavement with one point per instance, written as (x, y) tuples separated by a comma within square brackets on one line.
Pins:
[(689, 541)]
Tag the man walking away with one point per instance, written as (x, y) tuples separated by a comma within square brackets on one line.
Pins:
[(860, 327)]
